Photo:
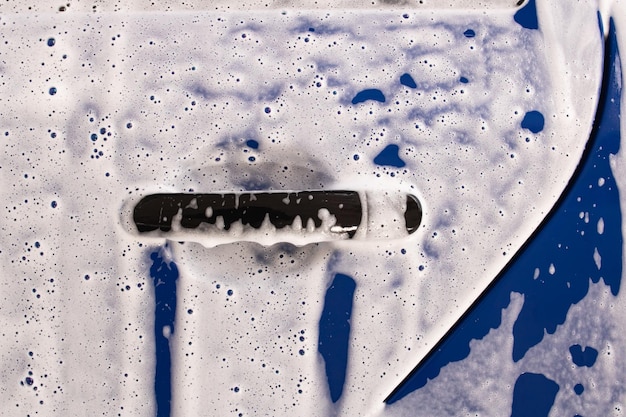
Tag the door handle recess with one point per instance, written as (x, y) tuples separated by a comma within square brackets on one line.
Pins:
[(271, 217)]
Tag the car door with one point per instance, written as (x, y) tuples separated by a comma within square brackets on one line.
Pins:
[(474, 148)]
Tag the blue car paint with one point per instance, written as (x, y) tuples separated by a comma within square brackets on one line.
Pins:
[(533, 395), (527, 16), (390, 156), (583, 356), (533, 121), (334, 332), (164, 275), (372, 94), (408, 81)]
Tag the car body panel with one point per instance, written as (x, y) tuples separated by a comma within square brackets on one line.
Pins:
[(483, 117)]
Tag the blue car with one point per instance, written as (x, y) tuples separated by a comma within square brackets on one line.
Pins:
[(393, 208)]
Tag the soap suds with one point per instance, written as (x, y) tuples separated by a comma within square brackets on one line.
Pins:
[(119, 106)]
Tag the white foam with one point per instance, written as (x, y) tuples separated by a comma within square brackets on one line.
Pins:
[(483, 187)]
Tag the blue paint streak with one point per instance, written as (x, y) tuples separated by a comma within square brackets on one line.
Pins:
[(389, 157), (334, 337), (533, 395), (369, 94), (548, 298), (600, 24), (164, 277), (533, 121), (583, 357), (408, 81), (527, 16)]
